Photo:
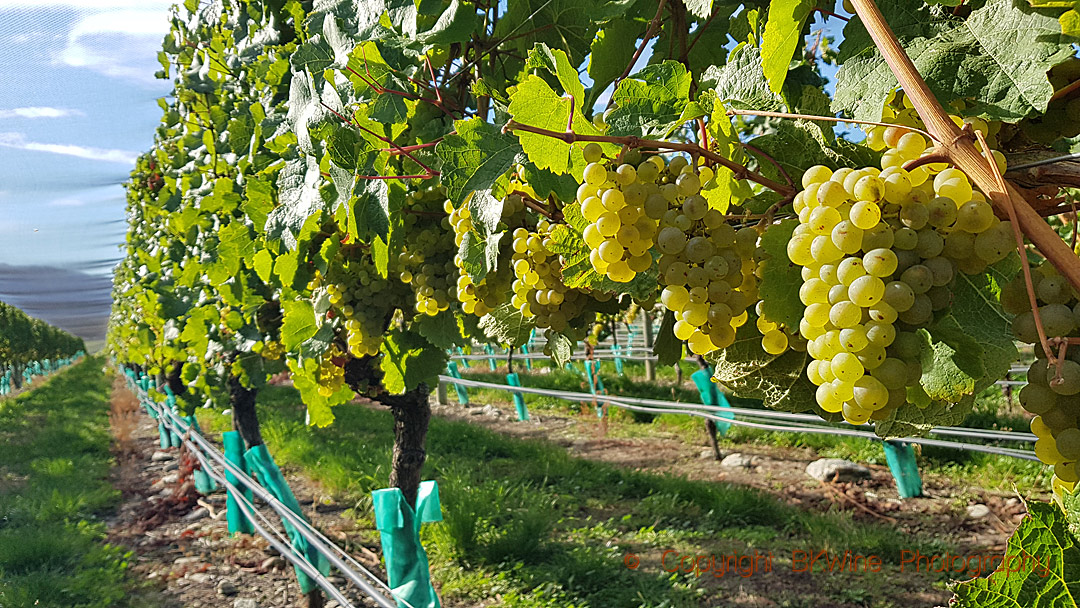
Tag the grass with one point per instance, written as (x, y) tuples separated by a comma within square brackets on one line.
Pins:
[(54, 462), (1001, 473), (529, 524)]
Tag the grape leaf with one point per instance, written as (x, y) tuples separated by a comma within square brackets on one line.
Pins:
[(557, 63), (998, 55), (725, 189), (778, 380), (1040, 568), (455, 24), (262, 263), (667, 348), (780, 278), (651, 103), (566, 24), (942, 378), (740, 83), (507, 325), (910, 420), (699, 8), (298, 323), (235, 244), (327, 48), (783, 33), (474, 158), (298, 193), (438, 331), (610, 53), (319, 408), (975, 326), (534, 103), (409, 360), (544, 183), (562, 348)]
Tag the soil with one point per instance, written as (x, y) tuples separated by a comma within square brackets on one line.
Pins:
[(180, 541)]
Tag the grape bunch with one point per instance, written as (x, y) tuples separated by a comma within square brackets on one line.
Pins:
[(539, 293), (1062, 116), (707, 267), (330, 376), (880, 250), (613, 199), (1053, 389), (362, 298), (476, 297), (425, 263)]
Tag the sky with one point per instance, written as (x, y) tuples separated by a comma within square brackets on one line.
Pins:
[(78, 103)]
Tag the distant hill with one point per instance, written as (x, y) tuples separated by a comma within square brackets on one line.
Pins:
[(75, 301)]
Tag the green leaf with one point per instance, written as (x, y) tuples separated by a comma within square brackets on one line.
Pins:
[(299, 197), (545, 183), (557, 63), (783, 33), (740, 83), (298, 323), (455, 24), (235, 244), (409, 360), (778, 380), (611, 52), (1040, 568), (975, 326), (998, 55), (651, 103), (910, 420), (1070, 23), (566, 24), (780, 279), (476, 157), (534, 103), (562, 348), (319, 409), (667, 348), (326, 49), (725, 189), (699, 8), (258, 201), (262, 263), (438, 330), (506, 325)]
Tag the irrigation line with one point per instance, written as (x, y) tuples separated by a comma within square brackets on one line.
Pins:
[(710, 412), (323, 544)]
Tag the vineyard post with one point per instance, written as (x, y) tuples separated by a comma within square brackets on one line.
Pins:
[(650, 363), (958, 146)]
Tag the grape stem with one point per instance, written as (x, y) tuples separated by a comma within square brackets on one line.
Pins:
[(771, 114), (654, 27), (536, 205), (960, 149), (1023, 255), (633, 141)]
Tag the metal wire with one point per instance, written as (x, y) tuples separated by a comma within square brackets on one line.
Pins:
[(323, 544), (711, 412)]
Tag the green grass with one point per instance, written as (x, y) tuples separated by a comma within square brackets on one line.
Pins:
[(54, 460), (528, 522), (1001, 473)]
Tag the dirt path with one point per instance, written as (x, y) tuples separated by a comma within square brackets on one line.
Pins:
[(181, 544)]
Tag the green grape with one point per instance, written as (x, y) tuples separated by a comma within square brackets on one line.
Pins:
[(880, 262)]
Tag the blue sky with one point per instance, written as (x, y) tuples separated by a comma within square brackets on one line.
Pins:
[(77, 105)]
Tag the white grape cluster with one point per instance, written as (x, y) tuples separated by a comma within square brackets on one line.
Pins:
[(476, 297), (706, 266), (1053, 391), (425, 264), (362, 298), (879, 250), (539, 293), (614, 200)]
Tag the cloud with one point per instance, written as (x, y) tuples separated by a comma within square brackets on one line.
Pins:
[(39, 112), (19, 142), (121, 43), (67, 201)]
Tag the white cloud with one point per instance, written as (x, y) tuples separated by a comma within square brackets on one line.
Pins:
[(39, 112), (18, 141), (67, 202), (120, 43), (88, 5)]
